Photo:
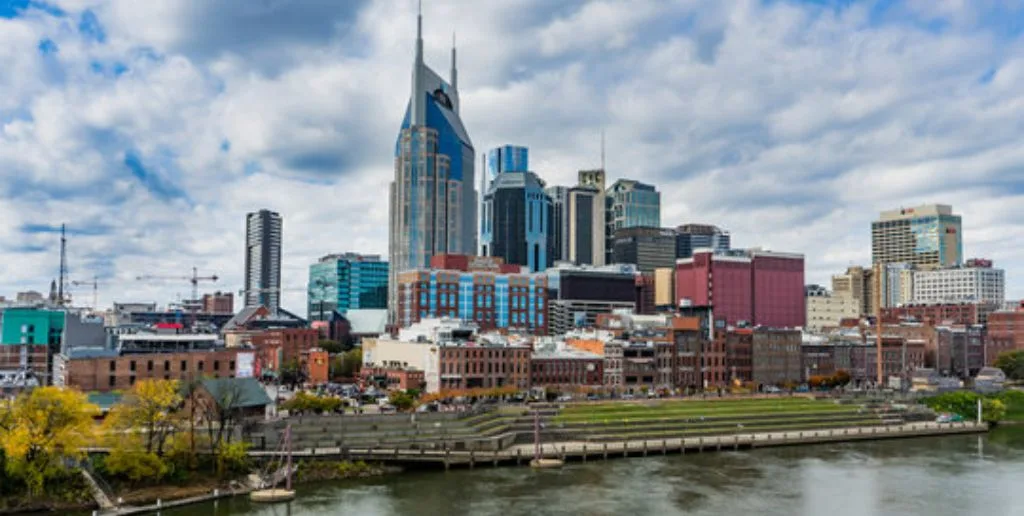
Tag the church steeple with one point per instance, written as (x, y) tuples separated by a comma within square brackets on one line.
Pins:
[(418, 99)]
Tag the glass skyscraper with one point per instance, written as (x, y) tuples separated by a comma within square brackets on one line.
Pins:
[(699, 236), (630, 204), (432, 199), (926, 236), (516, 222), (507, 158), (263, 259), (346, 281)]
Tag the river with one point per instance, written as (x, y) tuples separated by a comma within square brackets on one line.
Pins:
[(935, 476)]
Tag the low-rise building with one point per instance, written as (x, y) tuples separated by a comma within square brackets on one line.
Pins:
[(826, 311), (109, 373), (775, 356), (394, 378), (558, 365), (941, 313), (1005, 332)]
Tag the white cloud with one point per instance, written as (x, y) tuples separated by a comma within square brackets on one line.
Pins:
[(792, 125)]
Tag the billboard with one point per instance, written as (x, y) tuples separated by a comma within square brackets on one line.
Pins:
[(245, 364)]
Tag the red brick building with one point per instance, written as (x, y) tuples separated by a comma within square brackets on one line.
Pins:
[(286, 344), (392, 378), (469, 366), (756, 287), (565, 368), (1005, 333), (317, 365), (219, 303), (952, 313), (121, 372)]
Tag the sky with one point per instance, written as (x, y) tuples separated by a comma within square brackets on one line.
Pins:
[(151, 128)]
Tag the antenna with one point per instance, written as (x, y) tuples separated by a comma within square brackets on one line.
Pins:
[(63, 266), (602, 149)]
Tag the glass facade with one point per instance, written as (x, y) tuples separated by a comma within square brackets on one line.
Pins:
[(345, 282), (516, 221), (507, 158), (433, 201), (630, 204)]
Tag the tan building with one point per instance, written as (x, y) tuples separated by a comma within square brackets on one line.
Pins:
[(825, 310), (856, 284), (926, 236), (665, 287)]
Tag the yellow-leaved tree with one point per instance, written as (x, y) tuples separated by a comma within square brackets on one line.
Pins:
[(42, 428), (138, 429)]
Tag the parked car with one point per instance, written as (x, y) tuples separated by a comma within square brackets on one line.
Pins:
[(627, 396), (564, 398), (593, 397), (771, 389)]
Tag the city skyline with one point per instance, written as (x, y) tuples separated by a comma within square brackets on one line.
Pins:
[(153, 144)]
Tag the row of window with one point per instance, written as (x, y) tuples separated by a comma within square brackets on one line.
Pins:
[(167, 365)]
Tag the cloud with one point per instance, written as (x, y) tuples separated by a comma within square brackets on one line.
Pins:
[(151, 128)]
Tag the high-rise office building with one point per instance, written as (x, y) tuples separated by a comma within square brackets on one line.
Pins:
[(648, 248), (516, 220), (700, 236), (263, 259), (558, 229), (507, 158), (346, 281), (585, 232), (629, 204), (433, 200), (926, 236)]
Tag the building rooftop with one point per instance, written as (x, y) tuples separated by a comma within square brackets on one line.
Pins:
[(367, 321), (237, 392)]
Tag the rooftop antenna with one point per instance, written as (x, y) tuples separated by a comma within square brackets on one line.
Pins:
[(63, 266), (602, 149)]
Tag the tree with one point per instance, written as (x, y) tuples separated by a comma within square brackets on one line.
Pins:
[(1012, 364), (965, 403), (148, 411), (292, 373), (332, 347), (42, 428), (352, 362), (401, 400), (841, 378)]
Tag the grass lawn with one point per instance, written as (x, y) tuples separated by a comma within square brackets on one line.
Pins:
[(610, 412)]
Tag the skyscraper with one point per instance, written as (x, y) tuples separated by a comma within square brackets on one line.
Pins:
[(432, 198), (263, 259), (646, 247), (558, 229), (698, 236), (629, 204), (516, 221), (926, 236), (587, 245), (346, 281), (507, 158)]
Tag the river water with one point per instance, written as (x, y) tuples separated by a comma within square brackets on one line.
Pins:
[(934, 476)]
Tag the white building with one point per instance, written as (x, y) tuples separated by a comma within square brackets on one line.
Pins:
[(970, 284), (826, 310)]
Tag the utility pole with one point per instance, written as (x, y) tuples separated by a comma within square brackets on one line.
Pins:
[(878, 322)]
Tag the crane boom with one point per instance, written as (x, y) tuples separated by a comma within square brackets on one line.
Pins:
[(194, 279)]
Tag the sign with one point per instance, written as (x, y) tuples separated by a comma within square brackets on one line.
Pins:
[(245, 365), (484, 263)]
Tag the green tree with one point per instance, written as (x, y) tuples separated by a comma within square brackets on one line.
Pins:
[(965, 403), (135, 464), (148, 411), (401, 400), (332, 347), (352, 362), (1012, 364)]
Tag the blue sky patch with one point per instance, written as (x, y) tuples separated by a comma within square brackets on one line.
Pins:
[(89, 26), (47, 47)]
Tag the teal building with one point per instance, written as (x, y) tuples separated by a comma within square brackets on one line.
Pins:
[(343, 282), (32, 326)]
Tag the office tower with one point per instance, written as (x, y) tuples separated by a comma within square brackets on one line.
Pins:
[(926, 236), (586, 231), (516, 220), (263, 259), (558, 229), (596, 179), (346, 281), (976, 282), (755, 287), (629, 204), (433, 201), (507, 158), (700, 236), (648, 248), (858, 284)]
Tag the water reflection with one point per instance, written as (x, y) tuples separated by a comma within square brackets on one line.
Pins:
[(933, 476)]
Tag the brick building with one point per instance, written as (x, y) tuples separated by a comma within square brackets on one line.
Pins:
[(960, 350), (775, 356), (1005, 333), (756, 287), (219, 303), (394, 378), (121, 372), (469, 366), (566, 367), (737, 344), (283, 345), (935, 314), (484, 290)]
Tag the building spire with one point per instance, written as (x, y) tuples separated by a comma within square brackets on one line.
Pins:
[(418, 106), (455, 79), (602, 149)]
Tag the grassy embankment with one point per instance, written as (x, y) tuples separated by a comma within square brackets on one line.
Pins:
[(675, 418)]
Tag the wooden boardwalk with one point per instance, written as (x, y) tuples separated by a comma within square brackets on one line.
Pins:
[(584, 451)]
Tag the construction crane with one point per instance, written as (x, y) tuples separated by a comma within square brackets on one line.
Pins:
[(319, 284), (95, 288), (194, 279)]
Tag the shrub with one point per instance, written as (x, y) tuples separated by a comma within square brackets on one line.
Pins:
[(233, 458), (135, 466)]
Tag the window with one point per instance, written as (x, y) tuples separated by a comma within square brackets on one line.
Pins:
[(113, 365), (216, 365), (167, 365), (184, 365), (231, 365), (200, 365), (112, 380), (149, 365), (131, 366)]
